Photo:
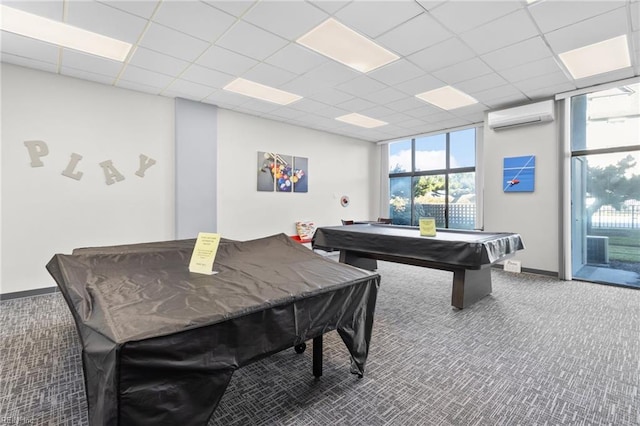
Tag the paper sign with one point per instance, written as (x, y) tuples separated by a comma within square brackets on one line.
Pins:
[(427, 227), (204, 253)]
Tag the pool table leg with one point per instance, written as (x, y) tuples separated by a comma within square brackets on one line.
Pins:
[(355, 259), (469, 286), (317, 356)]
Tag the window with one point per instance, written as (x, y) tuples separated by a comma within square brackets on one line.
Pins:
[(434, 176)]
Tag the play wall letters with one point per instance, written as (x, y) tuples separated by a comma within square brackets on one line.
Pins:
[(39, 149)]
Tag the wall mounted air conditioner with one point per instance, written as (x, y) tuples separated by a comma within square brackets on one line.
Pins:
[(538, 112)]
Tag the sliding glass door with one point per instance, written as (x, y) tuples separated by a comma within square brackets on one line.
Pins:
[(605, 186)]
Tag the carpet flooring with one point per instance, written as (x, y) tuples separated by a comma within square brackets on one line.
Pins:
[(538, 351)]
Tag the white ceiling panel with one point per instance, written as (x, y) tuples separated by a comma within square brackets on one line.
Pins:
[(531, 69), (602, 27), (552, 15), (517, 54), (232, 7), (226, 61), (90, 63), (269, 75), (287, 19), (481, 84), (173, 43), (396, 72), (29, 63), (196, 19), (146, 77), (52, 9), (418, 33), (105, 20), (141, 8), (503, 53), (28, 48), (251, 41), (296, 58), (361, 86), (151, 60), (462, 71), (420, 85), (206, 76), (85, 75), (331, 6), (441, 55), (509, 29), (461, 16), (375, 19)]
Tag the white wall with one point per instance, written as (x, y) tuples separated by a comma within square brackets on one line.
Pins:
[(44, 212), (337, 166), (534, 215)]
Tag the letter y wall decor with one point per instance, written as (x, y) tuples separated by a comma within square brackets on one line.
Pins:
[(39, 149)]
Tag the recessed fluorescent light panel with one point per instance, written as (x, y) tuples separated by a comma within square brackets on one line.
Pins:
[(56, 32), (597, 58), (447, 98), (260, 91), (361, 120), (346, 46)]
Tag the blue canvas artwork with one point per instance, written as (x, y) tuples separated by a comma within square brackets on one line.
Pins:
[(519, 174)]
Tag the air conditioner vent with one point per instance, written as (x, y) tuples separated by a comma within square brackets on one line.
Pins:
[(538, 112)]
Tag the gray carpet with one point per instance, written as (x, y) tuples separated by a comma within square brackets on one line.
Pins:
[(537, 351)]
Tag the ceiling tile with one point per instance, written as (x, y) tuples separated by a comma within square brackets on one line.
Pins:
[(206, 76), (296, 58), (105, 20), (305, 86), (517, 54), (461, 16), (255, 105), (332, 73), (462, 71), (29, 63), (377, 112), (226, 98), (194, 18), (269, 75), (531, 69), (361, 86), (29, 48), (189, 89), (225, 60), (406, 104), (138, 87), (331, 97), (552, 15), (251, 41), (507, 101), (418, 33), (441, 55), (356, 105), (142, 8), (329, 6), (396, 72), (332, 112), (90, 63), (590, 31), (233, 7), (150, 60), (85, 75), (488, 37), (287, 19), (481, 84), (288, 113), (635, 16), (173, 43), (308, 105), (384, 96), (507, 90), (548, 91), (419, 85), (373, 19), (146, 77), (52, 9)]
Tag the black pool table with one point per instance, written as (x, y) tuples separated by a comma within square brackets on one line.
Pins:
[(468, 254)]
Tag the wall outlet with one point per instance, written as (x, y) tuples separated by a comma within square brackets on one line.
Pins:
[(512, 266)]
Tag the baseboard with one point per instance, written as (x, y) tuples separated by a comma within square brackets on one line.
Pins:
[(28, 293), (531, 271)]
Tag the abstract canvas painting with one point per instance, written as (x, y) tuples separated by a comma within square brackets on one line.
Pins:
[(519, 174)]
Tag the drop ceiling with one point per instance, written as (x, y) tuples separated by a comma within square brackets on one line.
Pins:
[(502, 53)]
